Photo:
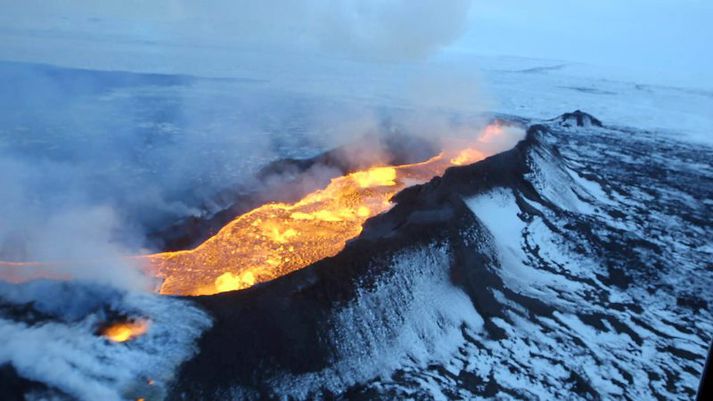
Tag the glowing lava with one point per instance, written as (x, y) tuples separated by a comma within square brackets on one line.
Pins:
[(278, 238), (125, 331)]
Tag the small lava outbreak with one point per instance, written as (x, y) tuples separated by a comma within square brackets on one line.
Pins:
[(124, 331)]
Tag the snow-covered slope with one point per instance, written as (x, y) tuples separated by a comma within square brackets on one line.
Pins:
[(569, 267)]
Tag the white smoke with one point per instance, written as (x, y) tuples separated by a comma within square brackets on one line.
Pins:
[(373, 29)]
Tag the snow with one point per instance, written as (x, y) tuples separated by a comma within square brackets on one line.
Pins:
[(499, 213), (591, 187), (586, 335), (411, 317), (534, 88)]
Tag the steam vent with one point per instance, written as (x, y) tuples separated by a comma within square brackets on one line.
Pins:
[(355, 201)]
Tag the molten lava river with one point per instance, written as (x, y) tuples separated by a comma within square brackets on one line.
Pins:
[(278, 238)]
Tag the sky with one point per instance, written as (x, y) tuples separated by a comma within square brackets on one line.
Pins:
[(661, 40)]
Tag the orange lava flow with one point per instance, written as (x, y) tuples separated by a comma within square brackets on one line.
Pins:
[(278, 238), (125, 331)]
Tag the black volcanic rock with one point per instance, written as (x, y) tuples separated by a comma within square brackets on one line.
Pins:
[(705, 391), (578, 118), (14, 387)]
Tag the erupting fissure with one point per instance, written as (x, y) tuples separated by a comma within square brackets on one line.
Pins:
[(278, 238)]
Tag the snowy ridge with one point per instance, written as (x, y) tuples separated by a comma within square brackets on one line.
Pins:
[(612, 317), (375, 313), (410, 315)]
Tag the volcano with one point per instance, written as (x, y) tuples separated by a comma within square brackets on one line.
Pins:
[(536, 272), (569, 266)]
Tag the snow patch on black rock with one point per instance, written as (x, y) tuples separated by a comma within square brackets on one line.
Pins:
[(578, 118)]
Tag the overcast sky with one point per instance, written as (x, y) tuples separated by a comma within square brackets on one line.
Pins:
[(665, 40), (671, 39)]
